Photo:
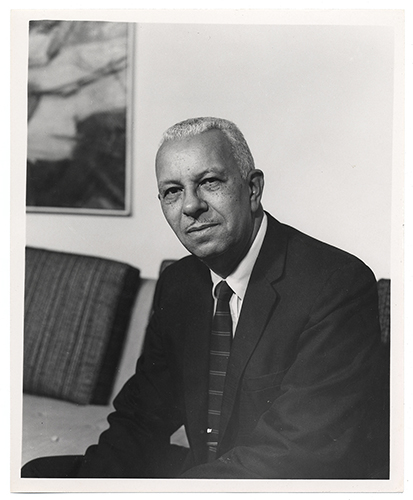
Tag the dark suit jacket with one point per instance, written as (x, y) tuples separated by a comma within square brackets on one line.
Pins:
[(301, 397)]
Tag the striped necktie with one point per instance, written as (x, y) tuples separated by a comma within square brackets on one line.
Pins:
[(220, 346)]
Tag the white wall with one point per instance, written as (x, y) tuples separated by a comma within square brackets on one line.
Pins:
[(315, 104)]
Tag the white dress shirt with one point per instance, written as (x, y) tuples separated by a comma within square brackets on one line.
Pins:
[(238, 279)]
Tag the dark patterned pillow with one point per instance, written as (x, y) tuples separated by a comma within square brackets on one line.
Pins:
[(77, 310)]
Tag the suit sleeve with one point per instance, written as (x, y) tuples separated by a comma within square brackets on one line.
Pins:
[(322, 423), (137, 443)]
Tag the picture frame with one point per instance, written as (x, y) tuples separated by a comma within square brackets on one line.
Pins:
[(80, 76)]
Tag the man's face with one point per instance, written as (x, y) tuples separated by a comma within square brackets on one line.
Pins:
[(205, 200)]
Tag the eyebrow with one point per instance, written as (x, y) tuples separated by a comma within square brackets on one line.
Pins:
[(167, 183), (170, 182)]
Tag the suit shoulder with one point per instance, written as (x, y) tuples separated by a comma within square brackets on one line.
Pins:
[(183, 271), (308, 251), (171, 267)]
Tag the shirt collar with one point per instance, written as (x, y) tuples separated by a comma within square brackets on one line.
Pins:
[(238, 279)]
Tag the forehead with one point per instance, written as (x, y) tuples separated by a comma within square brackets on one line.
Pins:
[(207, 150)]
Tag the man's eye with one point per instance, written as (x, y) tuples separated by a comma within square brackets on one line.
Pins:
[(210, 182), (171, 193)]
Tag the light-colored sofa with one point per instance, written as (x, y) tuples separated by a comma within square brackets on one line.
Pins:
[(54, 425), (55, 284)]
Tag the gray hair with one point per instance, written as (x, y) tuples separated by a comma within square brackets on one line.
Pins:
[(195, 126)]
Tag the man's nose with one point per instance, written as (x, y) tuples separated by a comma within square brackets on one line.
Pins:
[(194, 205)]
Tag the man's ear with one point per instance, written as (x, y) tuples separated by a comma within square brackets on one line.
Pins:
[(256, 184)]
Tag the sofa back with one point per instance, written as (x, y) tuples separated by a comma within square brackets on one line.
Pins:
[(85, 322), (77, 312)]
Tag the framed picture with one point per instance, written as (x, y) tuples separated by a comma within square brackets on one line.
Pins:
[(79, 108)]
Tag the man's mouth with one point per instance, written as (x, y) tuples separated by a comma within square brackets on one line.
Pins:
[(200, 227)]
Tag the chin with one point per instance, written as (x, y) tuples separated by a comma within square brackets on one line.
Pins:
[(203, 255), (207, 251)]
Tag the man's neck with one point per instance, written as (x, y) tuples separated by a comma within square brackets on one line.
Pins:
[(223, 267)]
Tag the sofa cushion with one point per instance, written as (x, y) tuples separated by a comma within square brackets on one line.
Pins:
[(77, 310)]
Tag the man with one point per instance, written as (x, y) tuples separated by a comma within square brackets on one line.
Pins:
[(277, 376)]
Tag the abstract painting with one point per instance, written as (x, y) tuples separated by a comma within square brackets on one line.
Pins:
[(79, 100)]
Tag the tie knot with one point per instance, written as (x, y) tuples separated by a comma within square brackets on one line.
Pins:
[(223, 291)]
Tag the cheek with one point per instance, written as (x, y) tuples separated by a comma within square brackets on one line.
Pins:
[(170, 214), (235, 198), (234, 207), (226, 201)]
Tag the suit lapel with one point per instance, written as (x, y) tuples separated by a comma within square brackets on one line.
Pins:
[(259, 304)]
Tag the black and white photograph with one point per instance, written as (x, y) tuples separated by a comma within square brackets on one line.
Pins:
[(208, 250)]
